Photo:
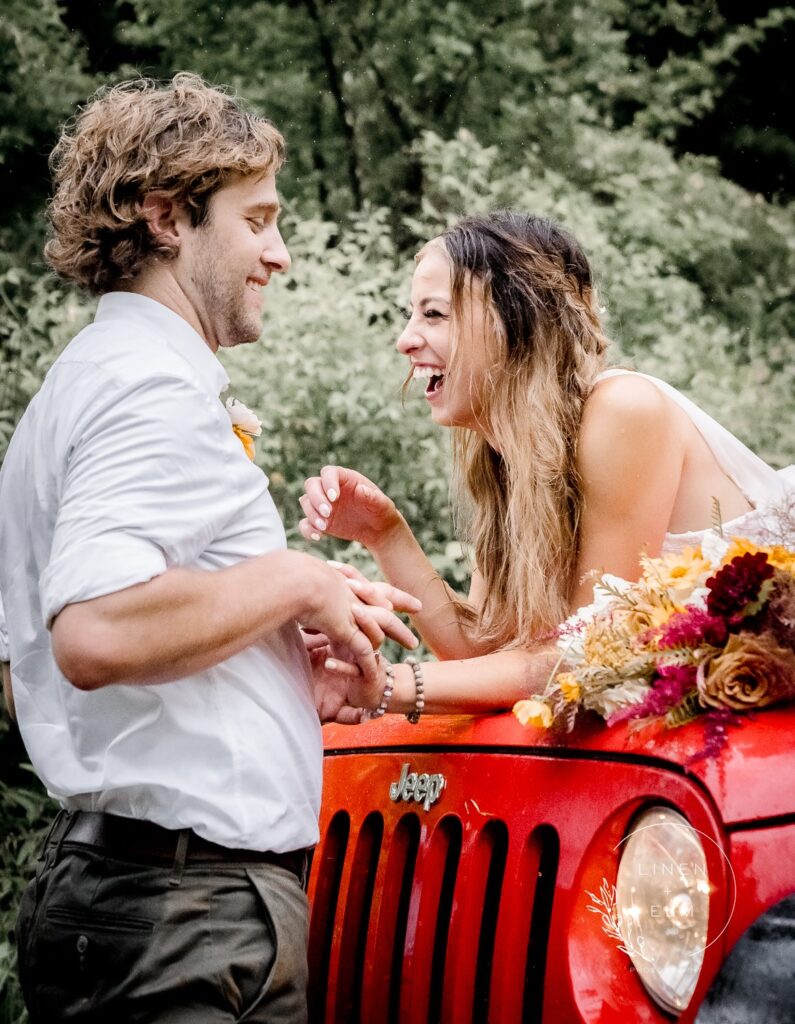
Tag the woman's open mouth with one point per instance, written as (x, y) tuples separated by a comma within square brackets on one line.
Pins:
[(435, 377)]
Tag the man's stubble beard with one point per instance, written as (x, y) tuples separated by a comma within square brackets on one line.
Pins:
[(224, 298)]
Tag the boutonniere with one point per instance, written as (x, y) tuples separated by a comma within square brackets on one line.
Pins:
[(244, 423)]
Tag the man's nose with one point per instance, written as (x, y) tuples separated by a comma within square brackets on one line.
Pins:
[(275, 254)]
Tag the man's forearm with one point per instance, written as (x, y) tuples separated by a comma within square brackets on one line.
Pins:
[(179, 623)]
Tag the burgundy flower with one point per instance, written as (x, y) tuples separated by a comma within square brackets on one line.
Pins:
[(737, 585), (693, 628)]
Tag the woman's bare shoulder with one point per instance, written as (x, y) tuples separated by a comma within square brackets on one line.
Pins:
[(626, 394), (627, 423)]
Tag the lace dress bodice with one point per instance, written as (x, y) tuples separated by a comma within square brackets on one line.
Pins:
[(764, 488)]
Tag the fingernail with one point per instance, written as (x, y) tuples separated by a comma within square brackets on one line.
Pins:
[(325, 510), (332, 495), (315, 536), (320, 524), (333, 564), (330, 664), (367, 492), (355, 584)]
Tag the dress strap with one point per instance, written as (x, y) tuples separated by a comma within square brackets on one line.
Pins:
[(759, 483)]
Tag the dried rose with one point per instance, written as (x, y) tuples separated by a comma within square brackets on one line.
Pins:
[(780, 617), (751, 672)]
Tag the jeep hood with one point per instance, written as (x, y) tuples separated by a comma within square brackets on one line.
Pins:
[(752, 779)]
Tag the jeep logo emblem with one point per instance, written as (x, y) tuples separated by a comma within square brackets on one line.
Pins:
[(424, 789)]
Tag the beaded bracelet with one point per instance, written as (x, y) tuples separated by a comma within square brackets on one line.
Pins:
[(419, 703), (386, 696)]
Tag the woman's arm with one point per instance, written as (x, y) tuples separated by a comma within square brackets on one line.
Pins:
[(469, 686), (345, 504), (630, 462)]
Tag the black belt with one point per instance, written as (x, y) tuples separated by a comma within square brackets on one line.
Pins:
[(138, 840)]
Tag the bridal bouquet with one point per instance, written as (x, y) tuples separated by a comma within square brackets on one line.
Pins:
[(702, 632)]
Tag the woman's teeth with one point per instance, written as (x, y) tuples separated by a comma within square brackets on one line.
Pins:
[(426, 372)]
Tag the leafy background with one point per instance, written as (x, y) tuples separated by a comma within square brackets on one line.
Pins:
[(659, 132)]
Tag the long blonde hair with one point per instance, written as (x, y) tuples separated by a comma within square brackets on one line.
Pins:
[(520, 496)]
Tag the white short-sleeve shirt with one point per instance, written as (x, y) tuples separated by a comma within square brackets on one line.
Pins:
[(124, 465)]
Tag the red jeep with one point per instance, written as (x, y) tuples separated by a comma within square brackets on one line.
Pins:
[(474, 870)]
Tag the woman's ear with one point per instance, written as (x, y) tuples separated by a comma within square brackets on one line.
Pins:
[(165, 218)]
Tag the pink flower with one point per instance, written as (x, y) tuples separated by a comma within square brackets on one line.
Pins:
[(692, 628), (667, 690)]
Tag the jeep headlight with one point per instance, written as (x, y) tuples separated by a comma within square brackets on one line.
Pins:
[(662, 905)]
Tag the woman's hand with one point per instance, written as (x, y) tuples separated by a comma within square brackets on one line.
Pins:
[(341, 697), (345, 504)]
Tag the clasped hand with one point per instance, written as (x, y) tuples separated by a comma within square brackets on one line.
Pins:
[(343, 691)]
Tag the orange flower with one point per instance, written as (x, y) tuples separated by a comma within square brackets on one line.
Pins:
[(750, 672), (778, 556), (245, 439)]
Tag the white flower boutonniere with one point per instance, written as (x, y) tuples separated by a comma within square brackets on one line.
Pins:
[(244, 423)]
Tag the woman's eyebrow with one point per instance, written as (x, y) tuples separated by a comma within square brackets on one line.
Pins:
[(431, 298)]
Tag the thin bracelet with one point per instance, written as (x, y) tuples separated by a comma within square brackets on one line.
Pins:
[(386, 696), (419, 701)]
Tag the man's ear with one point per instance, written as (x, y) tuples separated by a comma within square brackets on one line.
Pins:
[(167, 220)]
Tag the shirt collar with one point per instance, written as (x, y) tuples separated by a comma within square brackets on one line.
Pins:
[(175, 332)]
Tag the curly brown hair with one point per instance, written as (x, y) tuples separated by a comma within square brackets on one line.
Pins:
[(183, 139)]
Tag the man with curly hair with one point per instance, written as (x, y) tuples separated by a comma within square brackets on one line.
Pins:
[(162, 686)]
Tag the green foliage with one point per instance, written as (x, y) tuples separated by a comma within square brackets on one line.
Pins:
[(399, 118), (40, 71), (37, 318), (26, 813)]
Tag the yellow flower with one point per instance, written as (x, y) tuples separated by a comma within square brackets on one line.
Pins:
[(653, 608), (533, 712), (679, 573), (778, 556), (569, 686), (609, 644)]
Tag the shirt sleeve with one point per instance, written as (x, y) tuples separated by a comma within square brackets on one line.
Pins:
[(146, 488), (4, 655)]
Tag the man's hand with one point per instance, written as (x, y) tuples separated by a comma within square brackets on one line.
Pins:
[(185, 620), (342, 698), (339, 612)]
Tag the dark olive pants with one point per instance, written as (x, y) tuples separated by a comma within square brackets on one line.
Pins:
[(108, 941)]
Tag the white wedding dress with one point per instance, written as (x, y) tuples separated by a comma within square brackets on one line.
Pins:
[(765, 488)]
